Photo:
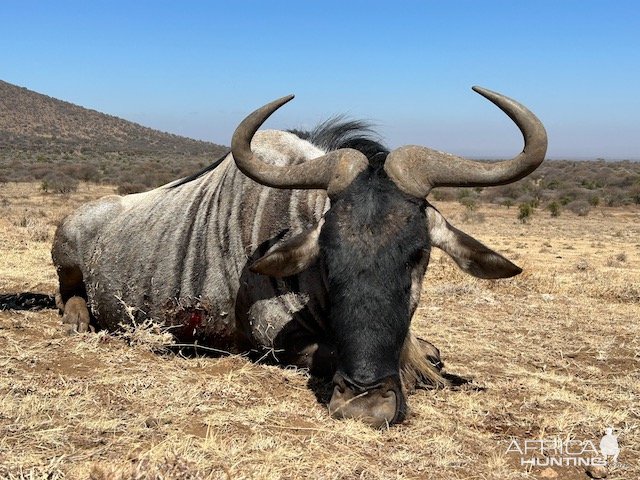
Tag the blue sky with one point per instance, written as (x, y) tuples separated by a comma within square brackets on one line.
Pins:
[(196, 68)]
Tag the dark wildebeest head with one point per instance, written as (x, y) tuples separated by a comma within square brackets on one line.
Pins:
[(374, 242)]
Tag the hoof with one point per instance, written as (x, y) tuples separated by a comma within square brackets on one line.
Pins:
[(76, 316)]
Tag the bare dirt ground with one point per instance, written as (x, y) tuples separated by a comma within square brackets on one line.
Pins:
[(553, 353)]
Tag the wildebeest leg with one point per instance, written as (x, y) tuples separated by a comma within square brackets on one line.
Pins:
[(301, 347), (320, 358), (76, 315), (71, 298)]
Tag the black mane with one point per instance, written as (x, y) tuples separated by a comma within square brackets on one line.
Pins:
[(339, 132), (332, 134)]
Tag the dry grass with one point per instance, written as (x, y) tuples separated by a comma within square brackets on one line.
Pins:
[(556, 352)]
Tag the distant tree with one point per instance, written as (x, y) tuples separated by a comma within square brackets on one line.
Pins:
[(469, 203)]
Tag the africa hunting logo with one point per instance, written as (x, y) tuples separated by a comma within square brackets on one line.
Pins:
[(549, 452)]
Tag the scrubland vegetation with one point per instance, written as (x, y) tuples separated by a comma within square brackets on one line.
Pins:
[(556, 188), (129, 172)]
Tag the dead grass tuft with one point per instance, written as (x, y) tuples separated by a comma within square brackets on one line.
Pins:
[(147, 335), (51, 471), (583, 265), (171, 467)]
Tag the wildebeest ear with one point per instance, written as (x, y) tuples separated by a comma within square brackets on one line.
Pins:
[(291, 256), (471, 256)]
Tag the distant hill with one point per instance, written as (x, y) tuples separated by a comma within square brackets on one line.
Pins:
[(32, 121), (59, 144), (43, 138)]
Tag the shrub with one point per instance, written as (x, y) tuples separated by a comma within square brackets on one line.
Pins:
[(443, 195), (463, 193), (553, 184), (85, 171), (591, 184), (525, 211), (127, 188), (615, 197), (59, 183), (580, 207), (469, 203), (554, 208)]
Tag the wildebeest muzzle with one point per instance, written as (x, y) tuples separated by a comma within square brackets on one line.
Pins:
[(378, 405)]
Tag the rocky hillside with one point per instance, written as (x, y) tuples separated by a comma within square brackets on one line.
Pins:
[(32, 121)]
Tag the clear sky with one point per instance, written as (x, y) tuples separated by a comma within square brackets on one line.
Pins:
[(196, 68)]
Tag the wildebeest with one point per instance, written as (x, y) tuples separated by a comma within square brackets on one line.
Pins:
[(310, 244)]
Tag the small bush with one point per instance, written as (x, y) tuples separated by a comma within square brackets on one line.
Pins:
[(583, 265), (59, 183), (85, 171), (580, 207), (442, 195), (469, 203), (617, 260), (463, 193), (128, 188), (554, 208), (525, 211)]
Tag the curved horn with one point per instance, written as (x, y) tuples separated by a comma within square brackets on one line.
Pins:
[(416, 170), (332, 172)]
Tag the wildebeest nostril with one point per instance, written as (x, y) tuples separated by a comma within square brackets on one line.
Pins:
[(376, 407)]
